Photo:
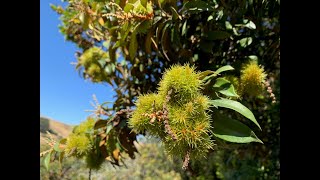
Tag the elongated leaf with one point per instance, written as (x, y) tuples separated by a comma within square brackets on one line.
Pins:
[(100, 123), (218, 35), (223, 68), (205, 73), (47, 160), (196, 6), (133, 47), (175, 14), (184, 28), (244, 42), (225, 87), (164, 40), (232, 130), (231, 104), (109, 127)]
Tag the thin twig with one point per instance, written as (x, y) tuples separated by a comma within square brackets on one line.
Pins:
[(186, 160), (90, 174), (166, 118)]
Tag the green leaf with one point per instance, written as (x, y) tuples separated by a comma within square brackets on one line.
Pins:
[(250, 25), (232, 130), (164, 41), (108, 69), (100, 123), (184, 28), (253, 57), (61, 156), (175, 14), (144, 3), (133, 47), (228, 25), (57, 148), (224, 68), (244, 42), (235, 32), (83, 17), (210, 18), (141, 67), (128, 7), (225, 87), (218, 35), (109, 127), (195, 7), (204, 74), (106, 44), (234, 105), (47, 160), (156, 19), (102, 62)]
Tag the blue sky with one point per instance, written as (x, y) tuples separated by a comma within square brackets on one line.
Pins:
[(64, 95)]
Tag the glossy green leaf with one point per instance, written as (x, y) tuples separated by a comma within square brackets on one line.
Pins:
[(47, 159), (225, 87), (184, 28), (232, 130), (244, 42), (228, 25), (218, 35), (250, 25), (234, 105), (224, 68)]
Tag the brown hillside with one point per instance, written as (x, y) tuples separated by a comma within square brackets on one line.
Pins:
[(56, 128)]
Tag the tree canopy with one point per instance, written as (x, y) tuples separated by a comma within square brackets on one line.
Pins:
[(193, 73)]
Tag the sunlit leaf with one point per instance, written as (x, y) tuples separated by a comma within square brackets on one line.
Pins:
[(244, 42), (231, 104), (47, 159), (223, 68), (232, 130), (225, 87)]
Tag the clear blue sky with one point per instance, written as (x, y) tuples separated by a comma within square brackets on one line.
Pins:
[(64, 95)]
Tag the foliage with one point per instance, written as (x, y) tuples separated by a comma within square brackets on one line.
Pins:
[(129, 46)]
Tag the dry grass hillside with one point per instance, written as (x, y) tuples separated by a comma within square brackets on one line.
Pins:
[(57, 129)]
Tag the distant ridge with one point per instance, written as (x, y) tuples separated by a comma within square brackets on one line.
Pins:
[(57, 129)]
